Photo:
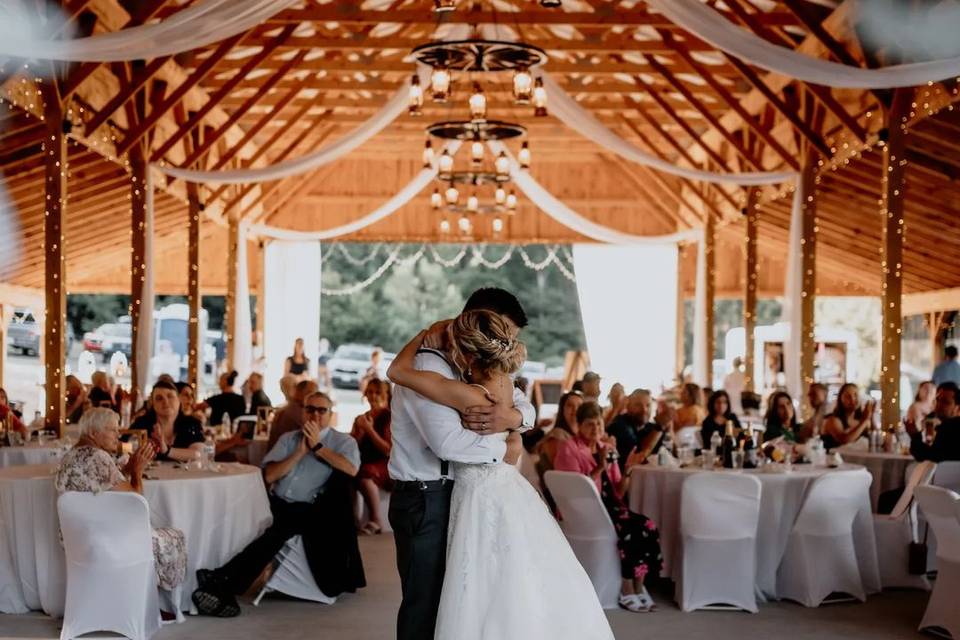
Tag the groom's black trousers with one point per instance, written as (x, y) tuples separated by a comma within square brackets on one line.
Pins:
[(419, 518)]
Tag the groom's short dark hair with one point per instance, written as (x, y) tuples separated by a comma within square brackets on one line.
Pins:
[(499, 301)]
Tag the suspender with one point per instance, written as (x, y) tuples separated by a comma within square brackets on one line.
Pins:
[(444, 464)]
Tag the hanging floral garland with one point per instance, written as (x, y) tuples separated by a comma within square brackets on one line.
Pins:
[(358, 262), (538, 266), (496, 264), (448, 263)]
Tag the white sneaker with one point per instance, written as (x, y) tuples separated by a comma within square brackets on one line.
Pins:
[(633, 602), (647, 600)]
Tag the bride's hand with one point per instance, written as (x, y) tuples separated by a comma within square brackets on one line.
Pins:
[(436, 336)]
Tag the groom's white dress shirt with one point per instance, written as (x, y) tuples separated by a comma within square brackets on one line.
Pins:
[(424, 432)]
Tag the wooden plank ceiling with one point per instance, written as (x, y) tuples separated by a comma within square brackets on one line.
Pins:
[(317, 70)]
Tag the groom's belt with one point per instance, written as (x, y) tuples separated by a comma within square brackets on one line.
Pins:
[(422, 485)]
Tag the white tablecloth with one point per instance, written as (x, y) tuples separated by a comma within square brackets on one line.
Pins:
[(219, 513), (29, 454), (888, 470), (655, 492)]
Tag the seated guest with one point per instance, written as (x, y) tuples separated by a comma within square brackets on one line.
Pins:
[(718, 414), (849, 421), (258, 398), (76, 399), (633, 432), (307, 471), (15, 420), (637, 535), (945, 444), (590, 386), (174, 435), (290, 417), (781, 419), (188, 399), (100, 399), (618, 403), (923, 403), (288, 387), (371, 430), (100, 380), (817, 397), (691, 411), (90, 466), (226, 402), (564, 428)]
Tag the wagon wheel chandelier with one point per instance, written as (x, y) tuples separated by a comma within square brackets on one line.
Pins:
[(476, 55)]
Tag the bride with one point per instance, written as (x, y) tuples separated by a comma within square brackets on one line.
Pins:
[(510, 571)]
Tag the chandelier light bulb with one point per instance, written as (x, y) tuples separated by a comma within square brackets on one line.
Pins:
[(522, 86), (445, 226), (478, 103), (442, 6), (500, 196), (428, 154), (415, 103), (539, 99), (512, 201), (440, 85), (452, 195), (502, 164), (473, 203), (435, 199), (464, 224), (476, 152), (446, 162), (524, 156), (497, 225)]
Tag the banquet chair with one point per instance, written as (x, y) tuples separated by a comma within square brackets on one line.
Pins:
[(719, 515), (111, 580), (689, 437), (292, 575), (947, 476), (589, 530), (941, 507), (897, 530), (821, 557)]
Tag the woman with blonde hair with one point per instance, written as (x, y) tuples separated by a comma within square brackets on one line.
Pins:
[(505, 551), (691, 411)]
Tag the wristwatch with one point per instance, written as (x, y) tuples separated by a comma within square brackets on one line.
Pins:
[(316, 447)]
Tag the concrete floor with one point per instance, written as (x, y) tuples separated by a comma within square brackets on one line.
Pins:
[(369, 615)]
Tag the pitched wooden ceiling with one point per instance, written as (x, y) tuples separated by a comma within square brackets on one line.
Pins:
[(315, 71)]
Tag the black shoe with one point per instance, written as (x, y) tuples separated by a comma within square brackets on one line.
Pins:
[(215, 603)]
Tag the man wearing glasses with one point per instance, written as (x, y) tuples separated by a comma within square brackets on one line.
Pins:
[(308, 472)]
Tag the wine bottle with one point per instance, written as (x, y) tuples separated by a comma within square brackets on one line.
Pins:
[(749, 450), (729, 446)]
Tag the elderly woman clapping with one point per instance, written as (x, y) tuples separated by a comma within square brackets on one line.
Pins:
[(90, 466)]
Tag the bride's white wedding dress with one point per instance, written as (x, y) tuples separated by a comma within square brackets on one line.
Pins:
[(511, 575)]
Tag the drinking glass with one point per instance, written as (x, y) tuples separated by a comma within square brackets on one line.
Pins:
[(708, 459), (737, 458), (686, 456)]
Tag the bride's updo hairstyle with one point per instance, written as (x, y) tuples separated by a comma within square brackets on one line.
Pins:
[(484, 337)]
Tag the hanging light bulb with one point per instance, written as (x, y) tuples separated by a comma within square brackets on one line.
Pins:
[(500, 196), (539, 99), (478, 103), (522, 86), (415, 103), (452, 195), (551, 4), (464, 224), (473, 203), (440, 85), (446, 162), (524, 156), (502, 164), (442, 6), (497, 225), (512, 201), (476, 152), (428, 154), (445, 226), (436, 201)]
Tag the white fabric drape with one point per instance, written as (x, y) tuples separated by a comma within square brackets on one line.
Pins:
[(402, 197), (710, 26), (702, 361), (291, 306), (619, 328), (792, 303), (569, 111), (203, 23), (241, 325), (144, 347)]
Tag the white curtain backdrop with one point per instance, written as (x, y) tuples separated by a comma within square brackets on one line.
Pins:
[(203, 23), (702, 361), (631, 336), (792, 305), (144, 346), (704, 22), (241, 325), (291, 306)]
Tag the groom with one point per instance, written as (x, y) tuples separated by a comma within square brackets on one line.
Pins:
[(426, 438)]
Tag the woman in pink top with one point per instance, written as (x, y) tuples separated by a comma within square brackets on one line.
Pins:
[(589, 453)]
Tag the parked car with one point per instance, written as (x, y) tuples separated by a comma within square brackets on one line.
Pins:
[(24, 334), (108, 339), (351, 361)]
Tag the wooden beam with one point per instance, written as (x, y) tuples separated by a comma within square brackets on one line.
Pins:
[(893, 226), (138, 81), (751, 277)]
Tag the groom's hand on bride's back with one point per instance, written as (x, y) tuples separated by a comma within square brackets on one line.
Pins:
[(436, 336)]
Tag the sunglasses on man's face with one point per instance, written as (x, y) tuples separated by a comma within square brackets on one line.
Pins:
[(321, 410)]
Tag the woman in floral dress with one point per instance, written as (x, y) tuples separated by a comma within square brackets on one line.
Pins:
[(91, 467)]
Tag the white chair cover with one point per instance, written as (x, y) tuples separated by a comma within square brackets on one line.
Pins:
[(690, 437), (941, 508), (897, 530), (947, 476), (821, 556), (719, 515), (292, 575), (589, 531), (111, 580)]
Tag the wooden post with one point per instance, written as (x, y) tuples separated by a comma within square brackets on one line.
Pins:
[(4, 319), (709, 238), (681, 356), (231, 303), (894, 170), (750, 289), (195, 344), (138, 264), (262, 301), (54, 345), (808, 266)]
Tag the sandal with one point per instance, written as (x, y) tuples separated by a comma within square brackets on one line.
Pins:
[(632, 602)]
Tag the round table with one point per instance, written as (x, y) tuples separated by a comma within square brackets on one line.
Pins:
[(218, 512), (656, 491), (889, 470), (32, 453)]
